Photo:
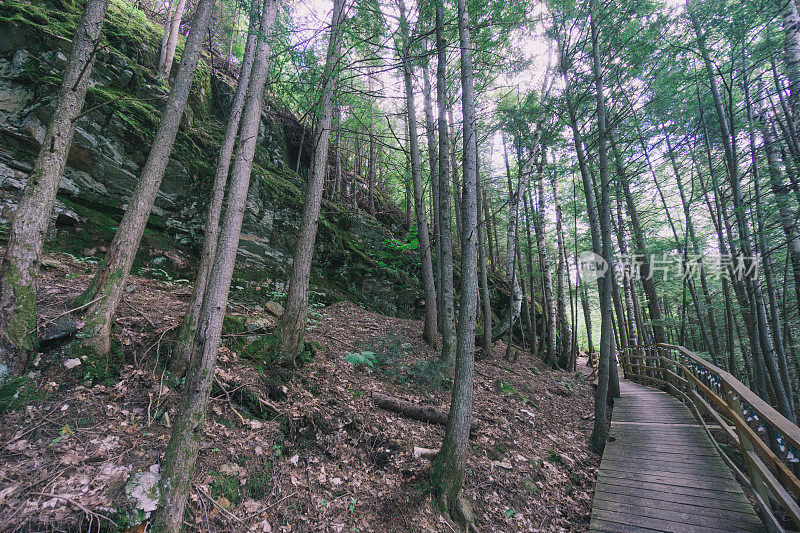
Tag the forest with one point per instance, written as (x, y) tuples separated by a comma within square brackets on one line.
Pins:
[(398, 265)]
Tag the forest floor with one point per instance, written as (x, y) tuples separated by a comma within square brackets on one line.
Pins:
[(306, 451)]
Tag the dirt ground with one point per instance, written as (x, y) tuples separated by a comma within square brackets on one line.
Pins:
[(301, 451)]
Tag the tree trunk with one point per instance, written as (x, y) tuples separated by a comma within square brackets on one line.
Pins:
[(108, 284), (548, 298), (429, 332), (181, 453), (450, 464), (564, 349), (515, 294), (531, 281), (445, 236), (292, 326), (185, 337), (168, 51), (486, 299), (19, 271), (599, 433), (436, 231)]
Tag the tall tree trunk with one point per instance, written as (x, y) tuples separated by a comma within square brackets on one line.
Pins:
[(19, 271), (337, 172), (430, 328), (436, 231), (454, 177), (450, 464), (531, 281), (548, 299), (108, 284), (598, 438), (444, 236), (564, 349), (168, 50), (711, 330), (372, 154), (486, 300), (292, 326), (782, 198), (488, 220), (515, 294), (587, 315), (640, 249), (185, 337), (181, 453)]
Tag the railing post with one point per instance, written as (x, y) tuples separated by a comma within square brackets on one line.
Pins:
[(746, 446)]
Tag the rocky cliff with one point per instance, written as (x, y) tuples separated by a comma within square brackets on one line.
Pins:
[(112, 139)]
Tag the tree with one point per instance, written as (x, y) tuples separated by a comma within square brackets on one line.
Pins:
[(181, 453), (186, 333), (19, 271), (450, 464), (444, 234), (106, 289), (428, 286), (292, 327), (169, 44)]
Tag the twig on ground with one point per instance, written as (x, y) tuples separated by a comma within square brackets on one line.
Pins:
[(76, 504), (230, 402), (218, 506)]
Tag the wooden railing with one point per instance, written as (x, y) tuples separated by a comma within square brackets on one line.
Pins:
[(761, 440)]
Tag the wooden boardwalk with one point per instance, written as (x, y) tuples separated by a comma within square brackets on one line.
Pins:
[(660, 472)]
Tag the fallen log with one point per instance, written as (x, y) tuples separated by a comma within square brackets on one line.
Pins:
[(415, 411)]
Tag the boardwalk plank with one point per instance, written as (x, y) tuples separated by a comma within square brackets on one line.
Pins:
[(661, 473)]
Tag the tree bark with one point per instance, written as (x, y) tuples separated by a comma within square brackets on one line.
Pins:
[(548, 298), (486, 299), (450, 464), (181, 453), (292, 326), (108, 284), (598, 438), (430, 135), (429, 332), (445, 237), (19, 271), (168, 50), (185, 337)]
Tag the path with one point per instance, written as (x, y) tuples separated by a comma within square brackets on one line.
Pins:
[(660, 472)]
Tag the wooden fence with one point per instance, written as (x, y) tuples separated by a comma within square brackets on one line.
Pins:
[(756, 438)]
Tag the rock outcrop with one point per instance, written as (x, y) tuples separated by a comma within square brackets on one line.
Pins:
[(111, 143)]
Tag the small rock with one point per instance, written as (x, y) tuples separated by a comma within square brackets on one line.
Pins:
[(72, 363), (143, 490), (274, 308), (229, 469), (258, 324), (61, 328)]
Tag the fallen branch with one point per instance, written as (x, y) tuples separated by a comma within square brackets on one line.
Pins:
[(76, 504), (415, 411)]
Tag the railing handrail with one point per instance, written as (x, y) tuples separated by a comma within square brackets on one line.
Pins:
[(710, 388)]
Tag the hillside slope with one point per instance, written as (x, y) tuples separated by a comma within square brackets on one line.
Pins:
[(308, 451)]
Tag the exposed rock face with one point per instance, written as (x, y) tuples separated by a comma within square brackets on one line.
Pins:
[(111, 143)]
